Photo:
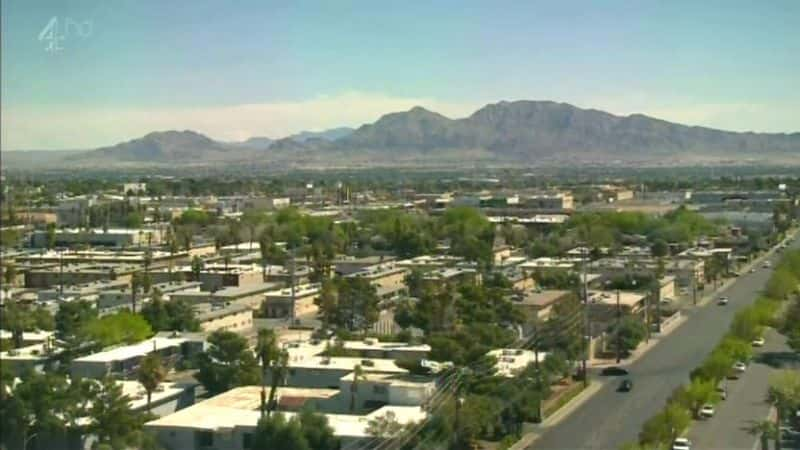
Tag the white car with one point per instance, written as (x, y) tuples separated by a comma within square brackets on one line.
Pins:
[(707, 411), (759, 342), (722, 301), (767, 264), (739, 366), (681, 444)]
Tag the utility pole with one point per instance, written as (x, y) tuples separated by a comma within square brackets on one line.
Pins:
[(619, 323), (292, 283), (587, 338), (694, 288)]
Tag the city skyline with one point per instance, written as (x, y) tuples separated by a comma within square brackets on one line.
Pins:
[(128, 68)]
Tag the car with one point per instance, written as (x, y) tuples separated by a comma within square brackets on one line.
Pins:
[(707, 411), (723, 393), (722, 301), (753, 270), (681, 443), (739, 366), (766, 265), (759, 342), (625, 386), (614, 371)]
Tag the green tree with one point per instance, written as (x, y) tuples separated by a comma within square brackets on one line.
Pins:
[(275, 432), (111, 418), (122, 327), (71, 317), (358, 303), (228, 362), (784, 395), (268, 355), (358, 375), (317, 431), (698, 393), (197, 267), (630, 333), (150, 374), (665, 426), (782, 284)]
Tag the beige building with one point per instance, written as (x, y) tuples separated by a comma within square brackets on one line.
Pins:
[(234, 317), (278, 303)]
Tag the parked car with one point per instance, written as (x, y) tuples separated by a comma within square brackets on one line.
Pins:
[(723, 393), (759, 342), (681, 443), (722, 301), (614, 371), (753, 270), (767, 264), (707, 411), (739, 366), (626, 385)]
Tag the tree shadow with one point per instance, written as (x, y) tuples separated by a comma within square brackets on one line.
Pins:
[(779, 360)]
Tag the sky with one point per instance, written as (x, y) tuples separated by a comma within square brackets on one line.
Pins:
[(84, 74)]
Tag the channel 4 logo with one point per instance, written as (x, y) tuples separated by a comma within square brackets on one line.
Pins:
[(57, 31)]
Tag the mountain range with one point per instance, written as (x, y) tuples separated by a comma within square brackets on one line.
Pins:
[(519, 132)]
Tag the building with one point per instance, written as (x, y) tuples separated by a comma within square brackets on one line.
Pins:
[(123, 360), (250, 295), (388, 279), (349, 264), (538, 305), (97, 237), (557, 202), (375, 390), (512, 361), (228, 421), (279, 303), (604, 306), (234, 317), (373, 348), (47, 276), (34, 357)]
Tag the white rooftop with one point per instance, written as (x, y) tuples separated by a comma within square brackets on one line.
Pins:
[(131, 351)]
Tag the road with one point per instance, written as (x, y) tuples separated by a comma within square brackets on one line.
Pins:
[(745, 403), (609, 419)]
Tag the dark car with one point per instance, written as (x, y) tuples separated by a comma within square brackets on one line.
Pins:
[(614, 371), (625, 386)]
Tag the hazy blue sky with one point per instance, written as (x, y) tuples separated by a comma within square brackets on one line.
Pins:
[(234, 69)]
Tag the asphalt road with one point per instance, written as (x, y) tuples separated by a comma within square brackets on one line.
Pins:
[(609, 419), (745, 403)]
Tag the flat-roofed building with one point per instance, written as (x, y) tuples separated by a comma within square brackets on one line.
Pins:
[(375, 390), (603, 306), (250, 295), (124, 360), (374, 348), (537, 305), (279, 303), (388, 279), (234, 317), (228, 421), (556, 202), (115, 237), (325, 372), (349, 264), (34, 357), (512, 361), (74, 274)]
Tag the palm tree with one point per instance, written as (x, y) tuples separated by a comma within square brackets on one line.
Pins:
[(135, 284), (279, 369), (197, 267), (268, 353), (150, 374), (358, 374)]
